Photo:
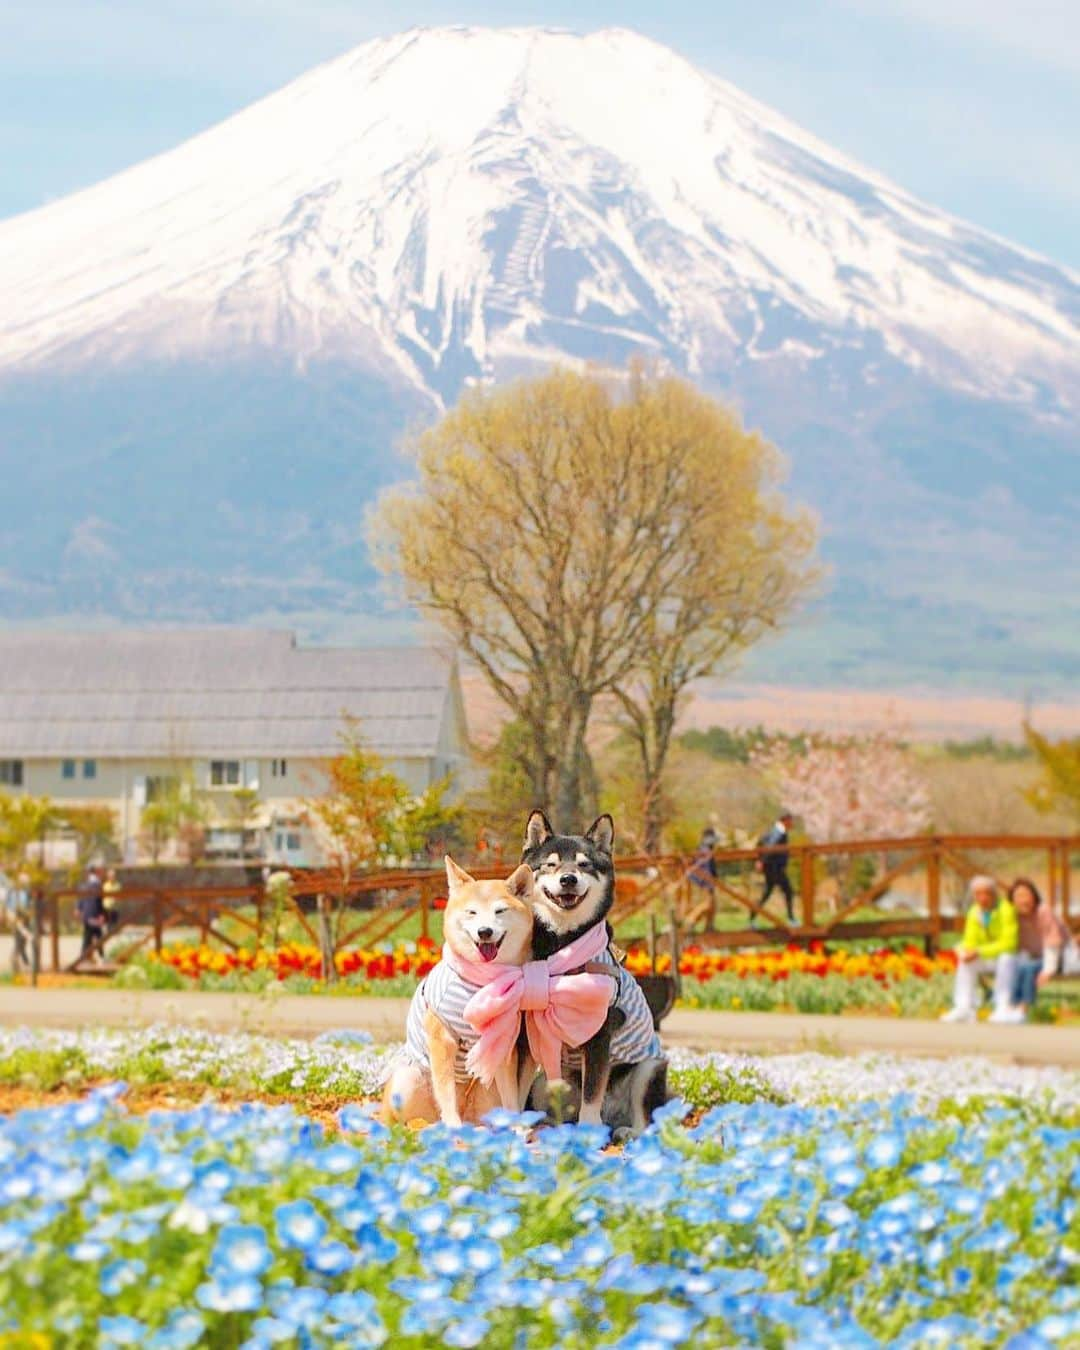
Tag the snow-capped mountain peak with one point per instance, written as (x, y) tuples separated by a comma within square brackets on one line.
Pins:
[(449, 204)]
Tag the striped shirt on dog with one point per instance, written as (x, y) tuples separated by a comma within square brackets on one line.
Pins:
[(445, 993), (636, 1039)]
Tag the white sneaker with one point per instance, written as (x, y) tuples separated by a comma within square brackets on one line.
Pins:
[(1009, 1014), (958, 1015)]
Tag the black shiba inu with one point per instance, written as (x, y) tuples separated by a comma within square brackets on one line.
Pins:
[(623, 1077)]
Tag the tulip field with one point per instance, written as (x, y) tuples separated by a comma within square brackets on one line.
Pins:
[(167, 1187), (903, 982)]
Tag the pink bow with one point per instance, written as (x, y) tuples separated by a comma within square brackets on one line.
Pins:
[(560, 1009)]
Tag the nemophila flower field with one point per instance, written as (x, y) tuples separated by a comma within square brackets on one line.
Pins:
[(840, 1203)]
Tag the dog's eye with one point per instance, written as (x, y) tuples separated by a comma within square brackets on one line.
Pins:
[(470, 913)]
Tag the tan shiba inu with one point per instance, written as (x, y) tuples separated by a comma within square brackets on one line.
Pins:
[(485, 923)]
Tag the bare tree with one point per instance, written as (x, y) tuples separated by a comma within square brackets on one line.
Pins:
[(563, 527)]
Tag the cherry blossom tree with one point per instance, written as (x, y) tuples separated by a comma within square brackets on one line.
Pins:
[(862, 788)]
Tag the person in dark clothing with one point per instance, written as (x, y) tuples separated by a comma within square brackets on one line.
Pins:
[(702, 873), (774, 867), (91, 909)]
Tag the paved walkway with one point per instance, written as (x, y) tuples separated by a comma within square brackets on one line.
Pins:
[(385, 1019)]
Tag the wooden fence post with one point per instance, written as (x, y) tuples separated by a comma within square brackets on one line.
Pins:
[(1066, 881), (806, 887), (425, 911), (652, 941), (326, 945), (933, 897), (1051, 877), (158, 924), (675, 951)]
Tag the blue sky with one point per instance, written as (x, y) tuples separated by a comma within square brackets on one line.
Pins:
[(973, 105)]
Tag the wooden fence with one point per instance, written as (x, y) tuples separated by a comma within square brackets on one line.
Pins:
[(924, 879)]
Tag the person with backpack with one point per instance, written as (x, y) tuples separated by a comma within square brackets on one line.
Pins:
[(90, 907), (774, 865)]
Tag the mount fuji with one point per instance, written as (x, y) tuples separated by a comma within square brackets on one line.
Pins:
[(206, 361)]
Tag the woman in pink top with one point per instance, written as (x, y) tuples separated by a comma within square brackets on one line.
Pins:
[(1043, 938)]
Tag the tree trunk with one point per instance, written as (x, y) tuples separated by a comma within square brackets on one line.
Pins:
[(573, 767), (654, 744)]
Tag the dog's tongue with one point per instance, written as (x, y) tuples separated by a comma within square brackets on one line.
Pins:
[(488, 950)]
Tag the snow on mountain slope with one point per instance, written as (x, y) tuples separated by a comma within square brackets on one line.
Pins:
[(447, 204)]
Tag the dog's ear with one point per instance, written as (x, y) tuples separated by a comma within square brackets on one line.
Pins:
[(601, 834), (456, 876), (520, 882), (537, 829)]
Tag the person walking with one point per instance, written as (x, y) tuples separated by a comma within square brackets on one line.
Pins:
[(988, 946), (19, 906), (702, 873), (91, 909), (774, 867), (1042, 942)]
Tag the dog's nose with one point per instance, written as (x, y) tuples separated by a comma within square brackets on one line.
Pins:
[(568, 881), (485, 934)]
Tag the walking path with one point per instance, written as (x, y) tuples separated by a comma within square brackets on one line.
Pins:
[(385, 1019)]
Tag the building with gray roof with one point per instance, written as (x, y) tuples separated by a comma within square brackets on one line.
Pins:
[(111, 716)]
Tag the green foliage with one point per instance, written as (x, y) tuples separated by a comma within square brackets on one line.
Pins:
[(428, 826), (987, 747), (706, 1085), (45, 1070), (24, 821), (1059, 761), (142, 974), (738, 746)]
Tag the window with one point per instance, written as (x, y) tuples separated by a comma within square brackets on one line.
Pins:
[(11, 772), (279, 768), (292, 843), (89, 768), (224, 773), (67, 769)]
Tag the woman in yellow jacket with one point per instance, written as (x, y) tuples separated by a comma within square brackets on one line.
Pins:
[(989, 945)]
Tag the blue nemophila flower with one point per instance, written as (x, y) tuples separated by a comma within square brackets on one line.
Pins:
[(339, 1158), (425, 1319), (330, 1258), (446, 1257), (469, 1331), (119, 1275), (120, 1331), (667, 1323), (885, 1150), (241, 1249), (302, 1306), (184, 1329), (299, 1224), (223, 1293), (373, 1246), (271, 1331), (87, 1249), (419, 1290), (845, 1177)]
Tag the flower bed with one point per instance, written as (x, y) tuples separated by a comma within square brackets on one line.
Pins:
[(894, 983), (881, 1221), (346, 1065), (300, 959)]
